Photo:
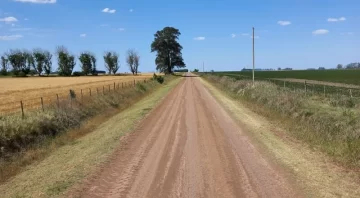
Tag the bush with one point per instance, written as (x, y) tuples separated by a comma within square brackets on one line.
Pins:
[(196, 70), (21, 74), (78, 74), (159, 79)]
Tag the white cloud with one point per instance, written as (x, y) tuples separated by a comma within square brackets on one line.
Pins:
[(320, 31), (8, 19), (108, 10), (10, 37), (82, 35), (336, 19), (245, 34), (131, 10), (284, 23), (233, 35), (121, 29), (37, 1), (200, 38)]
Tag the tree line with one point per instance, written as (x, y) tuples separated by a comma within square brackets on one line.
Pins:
[(38, 61)]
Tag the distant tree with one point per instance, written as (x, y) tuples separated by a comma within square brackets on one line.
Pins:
[(93, 63), (339, 66), (115, 60), (85, 59), (47, 62), (66, 61), (279, 68), (321, 68), (133, 61), (39, 57), (111, 60), (18, 60), (4, 65), (196, 70), (168, 50)]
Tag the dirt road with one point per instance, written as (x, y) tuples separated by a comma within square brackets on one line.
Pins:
[(188, 147)]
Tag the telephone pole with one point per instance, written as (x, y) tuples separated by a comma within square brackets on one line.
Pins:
[(253, 72)]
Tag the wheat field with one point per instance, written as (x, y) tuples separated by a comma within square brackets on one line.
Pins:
[(30, 90)]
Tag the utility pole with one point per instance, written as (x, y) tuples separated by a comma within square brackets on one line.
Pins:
[(203, 68), (253, 72)]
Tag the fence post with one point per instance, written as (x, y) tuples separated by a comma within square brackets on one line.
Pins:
[(324, 92), (22, 109), (42, 103), (350, 93), (57, 99), (81, 95), (70, 98), (305, 88), (134, 82), (114, 86), (90, 91)]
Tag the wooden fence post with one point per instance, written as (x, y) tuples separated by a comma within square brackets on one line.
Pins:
[(22, 109), (324, 92), (57, 99), (350, 93), (90, 91), (305, 87), (42, 104)]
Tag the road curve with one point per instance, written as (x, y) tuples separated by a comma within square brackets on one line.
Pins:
[(188, 147)]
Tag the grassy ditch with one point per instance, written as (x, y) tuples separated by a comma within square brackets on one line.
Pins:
[(330, 124), (29, 139)]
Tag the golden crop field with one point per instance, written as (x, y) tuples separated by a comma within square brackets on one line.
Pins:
[(31, 89)]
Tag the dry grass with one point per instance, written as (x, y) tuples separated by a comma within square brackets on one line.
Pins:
[(70, 163), (29, 90)]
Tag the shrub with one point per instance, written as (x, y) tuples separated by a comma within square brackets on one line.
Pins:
[(159, 79), (78, 74)]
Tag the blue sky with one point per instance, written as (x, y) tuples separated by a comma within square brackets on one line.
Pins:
[(299, 34)]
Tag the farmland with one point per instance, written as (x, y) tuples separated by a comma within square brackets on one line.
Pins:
[(29, 90), (338, 76)]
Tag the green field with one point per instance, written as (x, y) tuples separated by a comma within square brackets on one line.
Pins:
[(339, 76)]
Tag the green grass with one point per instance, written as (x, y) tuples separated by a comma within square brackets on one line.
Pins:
[(339, 76)]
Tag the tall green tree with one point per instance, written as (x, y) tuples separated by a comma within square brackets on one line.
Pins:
[(111, 60), (168, 50), (48, 62), (86, 62), (39, 58), (18, 59), (4, 65), (66, 61), (93, 62)]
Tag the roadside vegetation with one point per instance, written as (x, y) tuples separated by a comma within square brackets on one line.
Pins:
[(328, 123), (346, 76)]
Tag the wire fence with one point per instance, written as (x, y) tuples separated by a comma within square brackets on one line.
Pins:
[(308, 88), (83, 95)]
